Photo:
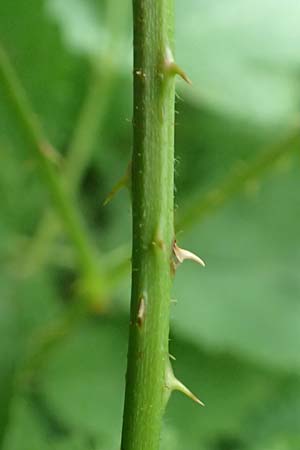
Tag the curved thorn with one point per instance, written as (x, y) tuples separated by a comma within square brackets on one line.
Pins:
[(182, 254)]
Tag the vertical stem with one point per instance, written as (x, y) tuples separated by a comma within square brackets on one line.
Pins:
[(90, 122), (89, 125), (153, 229)]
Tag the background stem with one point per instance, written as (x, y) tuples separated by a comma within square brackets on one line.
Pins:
[(89, 127), (90, 122), (62, 200), (206, 203), (153, 229)]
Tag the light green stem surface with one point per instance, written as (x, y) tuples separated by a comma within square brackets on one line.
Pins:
[(153, 229)]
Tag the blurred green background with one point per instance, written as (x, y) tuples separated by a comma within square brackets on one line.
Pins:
[(64, 300)]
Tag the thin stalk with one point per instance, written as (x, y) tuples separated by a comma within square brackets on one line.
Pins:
[(153, 229), (205, 204), (89, 123), (63, 202)]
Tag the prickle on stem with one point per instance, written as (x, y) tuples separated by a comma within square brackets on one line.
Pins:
[(173, 384), (181, 255), (173, 68)]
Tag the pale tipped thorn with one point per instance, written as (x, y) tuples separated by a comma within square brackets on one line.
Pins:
[(173, 68), (172, 357), (173, 384), (176, 70), (182, 254), (182, 74), (178, 386)]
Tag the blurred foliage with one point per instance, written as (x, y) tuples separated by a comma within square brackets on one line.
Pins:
[(236, 326)]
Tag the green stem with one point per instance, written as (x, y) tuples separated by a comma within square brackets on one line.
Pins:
[(63, 202), (89, 125), (90, 121), (153, 229), (205, 204), (92, 115)]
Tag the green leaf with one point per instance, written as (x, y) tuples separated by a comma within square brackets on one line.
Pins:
[(279, 443), (24, 431), (94, 29), (242, 57), (29, 429), (83, 380), (39, 304), (55, 90), (275, 424), (9, 347), (247, 298), (26, 308), (81, 23)]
